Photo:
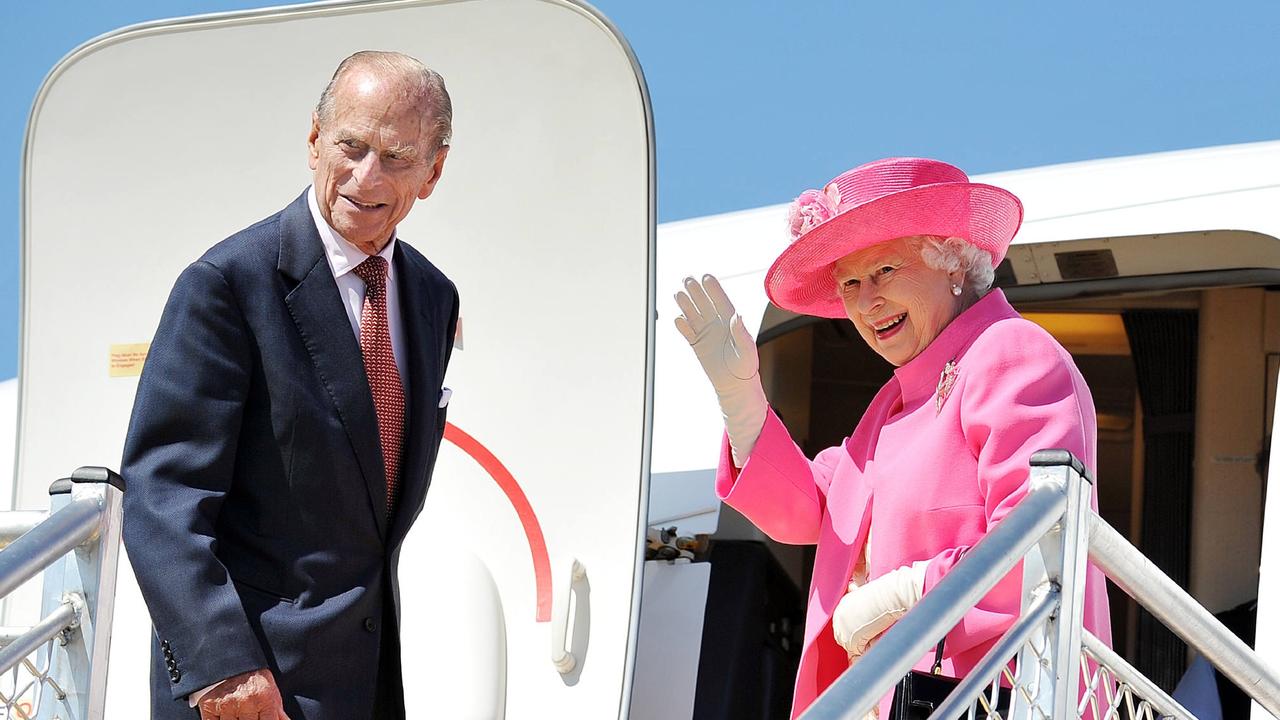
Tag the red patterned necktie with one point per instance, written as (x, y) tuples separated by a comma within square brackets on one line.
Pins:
[(380, 365)]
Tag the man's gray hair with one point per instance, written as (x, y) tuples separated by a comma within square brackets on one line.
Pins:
[(951, 254), (422, 82)]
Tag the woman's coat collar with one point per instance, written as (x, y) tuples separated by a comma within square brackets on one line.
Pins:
[(919, 378)]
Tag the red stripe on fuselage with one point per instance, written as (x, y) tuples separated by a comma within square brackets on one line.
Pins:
[(528, 518)]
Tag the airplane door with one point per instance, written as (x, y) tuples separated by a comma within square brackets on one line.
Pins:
[(520, 580)]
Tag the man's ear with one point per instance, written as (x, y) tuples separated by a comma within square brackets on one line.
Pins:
[(437, 168), (313, 150)]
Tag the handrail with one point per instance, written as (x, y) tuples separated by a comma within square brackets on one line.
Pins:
[(1051, 528), (76, 547), (860, 688), (57, 535), (15, 524), (1133, 573), (64, 615), (9, 634), (1152, 693), (998, 656)]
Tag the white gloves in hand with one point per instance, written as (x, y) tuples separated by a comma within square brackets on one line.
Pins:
[(868, 610), (728, 356)]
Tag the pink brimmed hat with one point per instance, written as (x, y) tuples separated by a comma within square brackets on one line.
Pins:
[(878, 202)]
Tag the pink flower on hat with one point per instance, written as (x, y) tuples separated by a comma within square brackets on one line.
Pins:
[(813, 208)]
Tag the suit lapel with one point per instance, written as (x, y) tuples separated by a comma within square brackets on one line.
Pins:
[(423, 341), (322, 323)]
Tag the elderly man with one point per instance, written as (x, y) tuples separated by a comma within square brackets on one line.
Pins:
[(287, 422)]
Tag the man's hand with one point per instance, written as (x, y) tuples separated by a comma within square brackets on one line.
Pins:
[(728, 355), (249, 696)]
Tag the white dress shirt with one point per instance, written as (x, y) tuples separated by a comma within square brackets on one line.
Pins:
[(343, 257)]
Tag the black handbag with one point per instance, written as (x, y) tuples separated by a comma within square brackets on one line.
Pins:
[(919, 693)]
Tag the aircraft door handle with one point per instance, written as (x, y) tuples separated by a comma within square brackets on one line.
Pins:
[(570, 587)]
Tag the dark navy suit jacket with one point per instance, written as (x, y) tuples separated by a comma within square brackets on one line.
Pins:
[(255, 511)]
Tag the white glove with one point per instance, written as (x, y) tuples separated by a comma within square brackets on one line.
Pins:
[(866, 611), (873, 713), (728, 356)]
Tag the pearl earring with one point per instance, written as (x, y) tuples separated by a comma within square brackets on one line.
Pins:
[(955, 290)]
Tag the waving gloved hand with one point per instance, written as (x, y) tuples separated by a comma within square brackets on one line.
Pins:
[(728, 356), (868, 610)]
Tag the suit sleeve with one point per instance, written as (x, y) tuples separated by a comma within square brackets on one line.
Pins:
[(178, 463), (1025, 398), (780, 490)]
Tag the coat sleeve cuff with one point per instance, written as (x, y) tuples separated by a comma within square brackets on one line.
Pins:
[(194, 698), (774, 489), (198, 674)]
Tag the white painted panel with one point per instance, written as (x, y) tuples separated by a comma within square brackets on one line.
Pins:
[(684, 500), (464, 619), (670, 640), (1267, 639)]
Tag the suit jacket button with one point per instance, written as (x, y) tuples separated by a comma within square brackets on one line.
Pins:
[(165, 644), (370, 625), (175, 676)]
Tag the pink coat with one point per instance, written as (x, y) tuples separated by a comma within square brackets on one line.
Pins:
[(926, 483)]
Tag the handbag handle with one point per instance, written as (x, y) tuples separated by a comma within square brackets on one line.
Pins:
[(937, 657)]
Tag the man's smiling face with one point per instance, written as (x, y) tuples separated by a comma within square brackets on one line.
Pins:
[(373, 158)]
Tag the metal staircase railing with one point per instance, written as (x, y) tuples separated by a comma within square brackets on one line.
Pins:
[(57, 668), (1047, 665)]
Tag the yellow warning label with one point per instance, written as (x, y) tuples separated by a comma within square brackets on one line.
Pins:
[(126, 360)]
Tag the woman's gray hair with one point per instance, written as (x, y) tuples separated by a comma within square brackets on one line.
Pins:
[(426, 84), (951, 254)]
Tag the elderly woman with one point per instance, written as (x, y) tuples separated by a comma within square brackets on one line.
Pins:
[(905, 249)]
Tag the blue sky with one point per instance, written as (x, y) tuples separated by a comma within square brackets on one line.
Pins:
[(755, 101)]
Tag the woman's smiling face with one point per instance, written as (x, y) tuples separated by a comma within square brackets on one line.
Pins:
[(897, 302)]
